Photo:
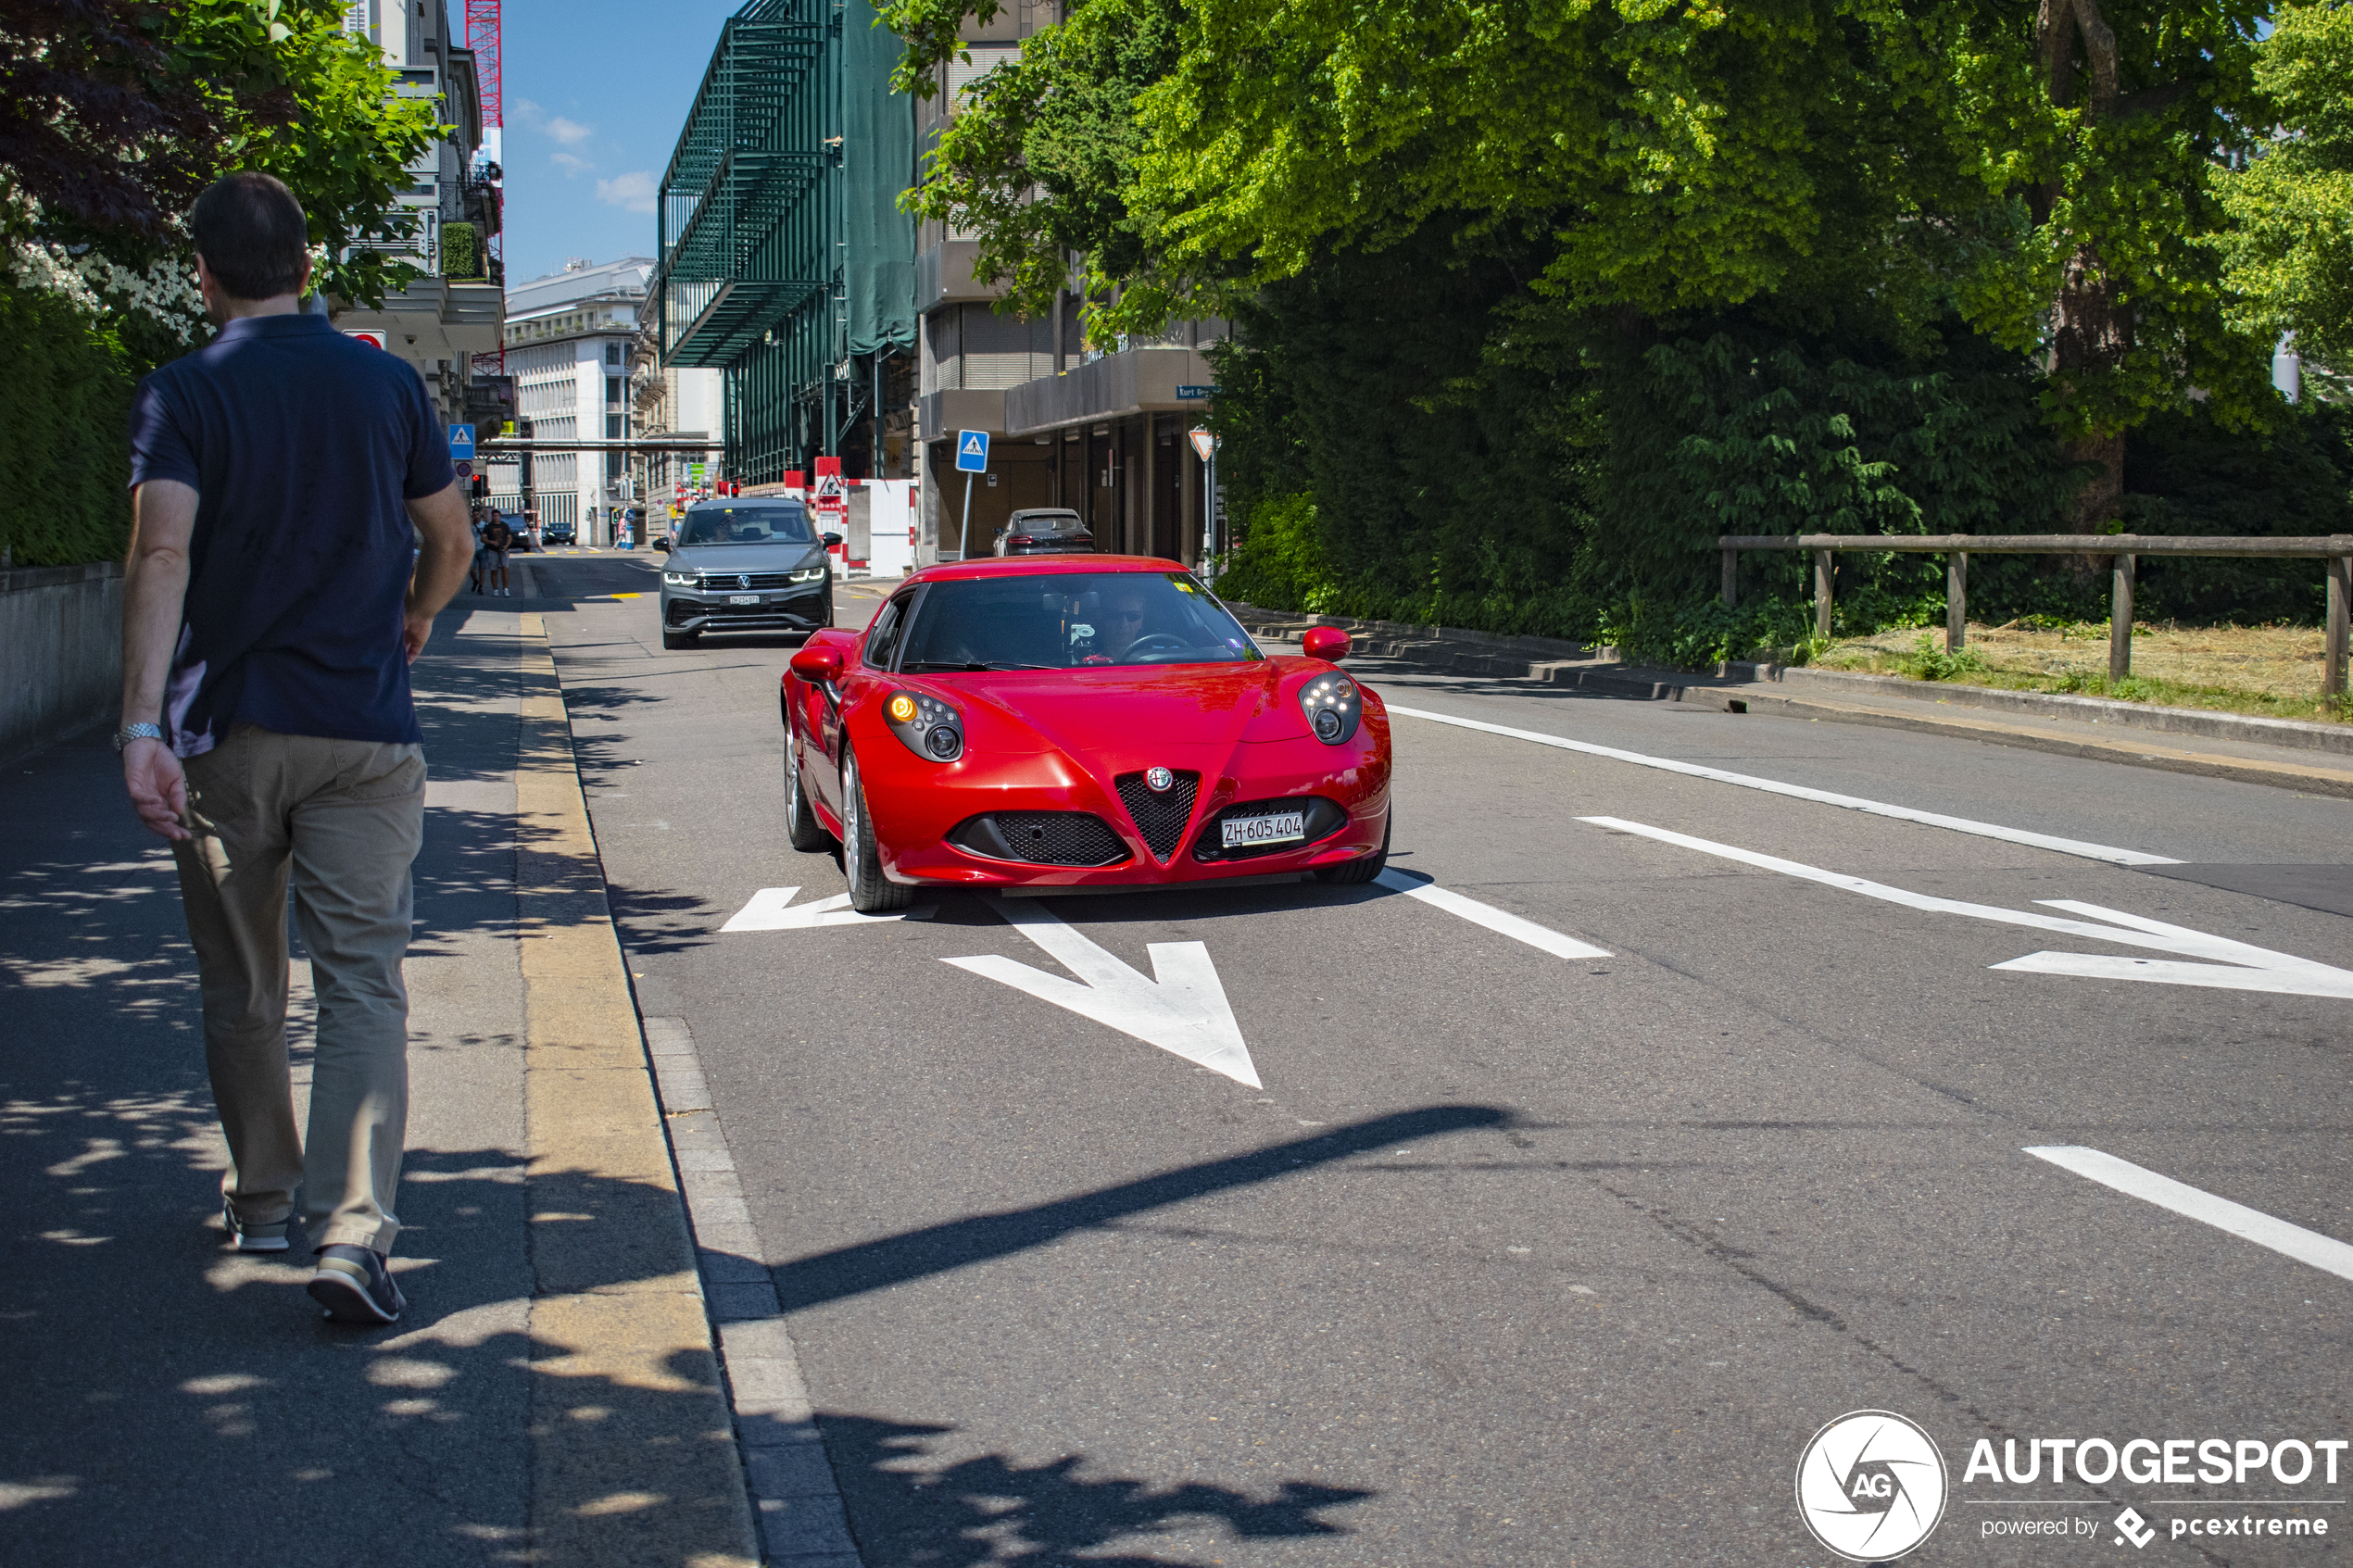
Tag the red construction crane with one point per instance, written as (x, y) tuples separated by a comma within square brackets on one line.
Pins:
[(482, 37)]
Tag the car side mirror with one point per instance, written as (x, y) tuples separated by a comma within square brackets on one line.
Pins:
[(662, 544), (833, 541), (817, 665), (1327, 642)]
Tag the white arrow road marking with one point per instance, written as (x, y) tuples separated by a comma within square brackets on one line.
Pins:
[(2136, 1181), (1498, 921), (1182, 1008), (1799, 792), (2235, 966), (767, 911)]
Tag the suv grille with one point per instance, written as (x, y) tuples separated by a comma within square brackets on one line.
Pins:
[(1041, 838), (737, 582), (1159, 818)]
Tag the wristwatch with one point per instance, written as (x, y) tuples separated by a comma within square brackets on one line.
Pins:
[(130, 733)]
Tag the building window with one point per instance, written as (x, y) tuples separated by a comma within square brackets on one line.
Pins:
[(613, 354), (613, 427), (612, 390)]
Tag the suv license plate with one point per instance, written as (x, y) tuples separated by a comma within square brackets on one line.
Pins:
[(743, 598), (1283, 827)]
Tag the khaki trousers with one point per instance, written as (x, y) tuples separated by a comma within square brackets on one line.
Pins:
[(342, 821)]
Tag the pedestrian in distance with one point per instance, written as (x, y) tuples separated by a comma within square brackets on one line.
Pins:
[(271, 611), (497, 540), (479, 563)]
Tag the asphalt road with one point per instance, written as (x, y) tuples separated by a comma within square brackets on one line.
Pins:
[(1517, 1258)]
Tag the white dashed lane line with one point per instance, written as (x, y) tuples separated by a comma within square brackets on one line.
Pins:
[(1799, 792), (2136, 1181)]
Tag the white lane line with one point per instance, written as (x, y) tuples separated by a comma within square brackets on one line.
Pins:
[(2235, 966), (770, 910), (1500, 921), (1799, 792), (2253, 1224)]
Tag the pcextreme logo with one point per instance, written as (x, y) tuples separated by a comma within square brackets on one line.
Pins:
[(1870, 1485)]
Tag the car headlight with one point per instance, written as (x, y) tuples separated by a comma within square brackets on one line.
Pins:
[(927, 726), (1332, 706), (682, 579), (809, 574)]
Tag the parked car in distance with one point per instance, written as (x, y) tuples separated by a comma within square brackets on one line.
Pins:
[(558, 534), (1043, 530)]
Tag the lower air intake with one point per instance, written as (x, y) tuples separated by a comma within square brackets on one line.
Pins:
[(1041, 838), (1159, 816)]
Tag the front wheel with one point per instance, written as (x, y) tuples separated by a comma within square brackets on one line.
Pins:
[(871, 893), (1364, 869), (802, 830)]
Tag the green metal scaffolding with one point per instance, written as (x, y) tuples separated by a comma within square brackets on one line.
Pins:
[(785, 260)]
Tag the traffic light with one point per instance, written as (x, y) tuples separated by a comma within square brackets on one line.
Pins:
[(481, 486)]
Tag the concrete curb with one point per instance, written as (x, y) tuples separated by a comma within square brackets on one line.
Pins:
[(1747, 687), (802, 1521), (615, 1294)]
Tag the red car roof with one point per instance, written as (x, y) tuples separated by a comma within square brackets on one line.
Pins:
[(1027, 566)]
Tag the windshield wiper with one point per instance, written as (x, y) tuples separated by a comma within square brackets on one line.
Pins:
[(935, 664)]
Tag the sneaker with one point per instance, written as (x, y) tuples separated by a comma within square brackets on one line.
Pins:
[(252, 1238), (355, 1287)]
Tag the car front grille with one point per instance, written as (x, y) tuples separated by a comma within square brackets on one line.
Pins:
[(1324, 819), (1159, 818), (1040, 838), (743, 581)]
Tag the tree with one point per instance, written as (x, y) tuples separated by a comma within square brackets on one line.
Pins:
[(114, 114), (2290, 255)]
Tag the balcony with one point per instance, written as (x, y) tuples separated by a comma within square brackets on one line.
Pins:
[(1137, 380)]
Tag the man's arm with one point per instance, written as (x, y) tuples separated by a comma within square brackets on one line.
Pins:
[(155, 590), (448, 546)]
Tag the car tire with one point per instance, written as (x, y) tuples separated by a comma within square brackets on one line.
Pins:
[(676, 640), (871, 893), (802, 830), (1365, 868)]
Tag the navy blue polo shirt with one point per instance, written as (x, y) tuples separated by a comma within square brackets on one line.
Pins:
[(301, 444)]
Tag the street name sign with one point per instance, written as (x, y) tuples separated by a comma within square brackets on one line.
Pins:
[(1195, 394)]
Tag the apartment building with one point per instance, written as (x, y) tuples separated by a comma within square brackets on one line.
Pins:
[(569, 339), (1097, 427), (441, 320)]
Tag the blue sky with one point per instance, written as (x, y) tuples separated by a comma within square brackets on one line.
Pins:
[(596, 93)]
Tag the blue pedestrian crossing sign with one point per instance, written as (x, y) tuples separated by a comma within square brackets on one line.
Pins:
[(461, 444), (971, 451)]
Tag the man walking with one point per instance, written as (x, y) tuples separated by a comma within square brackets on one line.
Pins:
[(270, 614)]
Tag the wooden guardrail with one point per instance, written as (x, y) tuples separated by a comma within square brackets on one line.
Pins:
[(2122, 550)]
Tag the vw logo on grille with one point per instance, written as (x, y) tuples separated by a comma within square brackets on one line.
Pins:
[(1157, 780), (743, 580)]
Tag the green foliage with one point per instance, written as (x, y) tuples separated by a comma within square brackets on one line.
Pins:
[(1929, 660), (461, 251), (1038, 162), (2290, 255), (64, 405), (1279, 564)]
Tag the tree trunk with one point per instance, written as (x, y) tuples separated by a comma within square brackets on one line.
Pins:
[(2091, 330)]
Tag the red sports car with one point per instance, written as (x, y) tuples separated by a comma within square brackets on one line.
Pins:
[(1076, 722)]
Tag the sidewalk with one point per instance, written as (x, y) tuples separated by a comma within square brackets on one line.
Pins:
[(551, 1396)]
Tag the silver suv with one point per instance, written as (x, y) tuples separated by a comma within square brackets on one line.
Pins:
[(745, 564)]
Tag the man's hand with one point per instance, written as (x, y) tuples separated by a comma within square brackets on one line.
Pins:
[(158, 788), (445, 546)]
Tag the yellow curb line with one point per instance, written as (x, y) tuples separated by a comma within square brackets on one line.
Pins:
[(633, 1447)]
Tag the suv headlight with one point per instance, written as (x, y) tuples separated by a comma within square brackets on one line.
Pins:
[(682, 579), (809, 574), (927, 726), (1332, 707)]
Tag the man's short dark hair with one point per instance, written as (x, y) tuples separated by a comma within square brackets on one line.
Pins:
[(252, 234)]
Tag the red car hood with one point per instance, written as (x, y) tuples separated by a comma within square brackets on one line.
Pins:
[(1131, 717)]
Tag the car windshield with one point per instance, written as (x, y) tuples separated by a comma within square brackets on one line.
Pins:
[(746, 525), (1071, 621)]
